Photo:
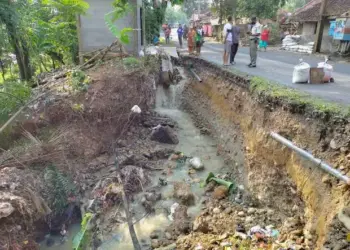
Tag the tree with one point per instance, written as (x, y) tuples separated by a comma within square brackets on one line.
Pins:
[(292, 5), (175, 14), (192, 6), (259, 8), (224, 8)]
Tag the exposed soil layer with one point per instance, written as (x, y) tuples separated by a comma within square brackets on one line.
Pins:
[(275, 176), (78, 132)]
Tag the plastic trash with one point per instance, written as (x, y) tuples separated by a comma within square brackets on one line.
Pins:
[(141, 53), (301, 72), (196, 163), (327, 69), (136, 109)]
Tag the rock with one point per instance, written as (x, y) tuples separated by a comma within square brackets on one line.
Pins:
[(249, 219), (50, 242), (333, 144), (155, 234), (326, 179), (164, 134), (241, 214), (153, 196), (240, 235), (210, 187), (220, 192), (168, 236), (6, 209), (223, 236), (169, 247), (181, 222), (340, 246), (344, 217), (200, 225), (251, 210), (196, 163), (182, 191), (155, 243), (228, 210), (297, 232), (270, 212), (216, 210)]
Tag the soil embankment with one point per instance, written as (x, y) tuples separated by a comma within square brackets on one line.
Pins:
[(276, 177)]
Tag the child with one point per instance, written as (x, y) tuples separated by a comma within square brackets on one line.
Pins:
[(198, 39), (264, 38), (191, 40), (156, 40)]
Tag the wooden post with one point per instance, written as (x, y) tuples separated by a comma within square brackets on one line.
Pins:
[(320, 27)]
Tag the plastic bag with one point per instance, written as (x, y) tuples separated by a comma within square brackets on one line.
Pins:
[(301, 72), (327, 69)]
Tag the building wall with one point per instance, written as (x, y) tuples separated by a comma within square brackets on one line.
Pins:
[(309, 34), (94, 33)]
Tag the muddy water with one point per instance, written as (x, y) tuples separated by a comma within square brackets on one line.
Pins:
[(192, 143), (72, 231)]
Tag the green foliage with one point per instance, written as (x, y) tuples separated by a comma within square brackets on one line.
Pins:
[(154, 19), (274, 34), (175, 15), (190, 7), (224, 8), (259, 8), (121, 8), (82, 239), (131, 62), (79, 80), (12, 95), (292, 5), (59, 188), (261, 86)]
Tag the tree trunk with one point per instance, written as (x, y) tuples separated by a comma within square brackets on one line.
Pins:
[(133, 235)]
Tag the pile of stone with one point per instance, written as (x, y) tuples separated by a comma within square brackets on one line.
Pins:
[(291, 43)]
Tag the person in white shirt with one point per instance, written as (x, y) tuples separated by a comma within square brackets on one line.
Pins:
[(254, 30), (227, 33)]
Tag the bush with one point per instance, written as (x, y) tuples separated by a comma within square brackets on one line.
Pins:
[(274, 34), (78, 80), (13, 94)]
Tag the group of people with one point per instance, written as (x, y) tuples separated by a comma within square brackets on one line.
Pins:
[(194, 37), (258, 38)]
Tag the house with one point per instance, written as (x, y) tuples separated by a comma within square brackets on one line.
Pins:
[(309, 15), (94, 33)]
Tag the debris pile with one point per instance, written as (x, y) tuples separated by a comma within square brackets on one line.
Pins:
[(291, 43)]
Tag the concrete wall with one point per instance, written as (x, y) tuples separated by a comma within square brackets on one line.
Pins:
[(309, 33), (94, 34)]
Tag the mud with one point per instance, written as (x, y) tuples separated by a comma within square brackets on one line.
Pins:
[(274, 175)]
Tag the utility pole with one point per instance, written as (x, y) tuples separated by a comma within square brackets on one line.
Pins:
[(320, 27)]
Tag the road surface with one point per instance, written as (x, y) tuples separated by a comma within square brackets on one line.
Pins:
[(278, 66)]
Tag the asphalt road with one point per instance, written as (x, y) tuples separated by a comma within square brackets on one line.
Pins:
[(278, 66)]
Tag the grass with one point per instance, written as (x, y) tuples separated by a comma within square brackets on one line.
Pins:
[(262, 86)]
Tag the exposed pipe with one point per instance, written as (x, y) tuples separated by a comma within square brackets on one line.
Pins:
[(195, 75), (310, 157)]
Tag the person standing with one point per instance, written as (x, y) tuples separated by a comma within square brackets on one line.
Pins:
[(185, 32), (227, 33), (199, 40), (235, 43), (191, 40), (167, 34), (180, 33), (254, 34), (264, 38)]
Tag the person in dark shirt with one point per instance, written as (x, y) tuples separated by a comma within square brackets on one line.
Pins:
[(235, 43), (180, 33)]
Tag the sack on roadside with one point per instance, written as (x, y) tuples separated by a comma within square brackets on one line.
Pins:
[(301, 72), (327, 69)]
